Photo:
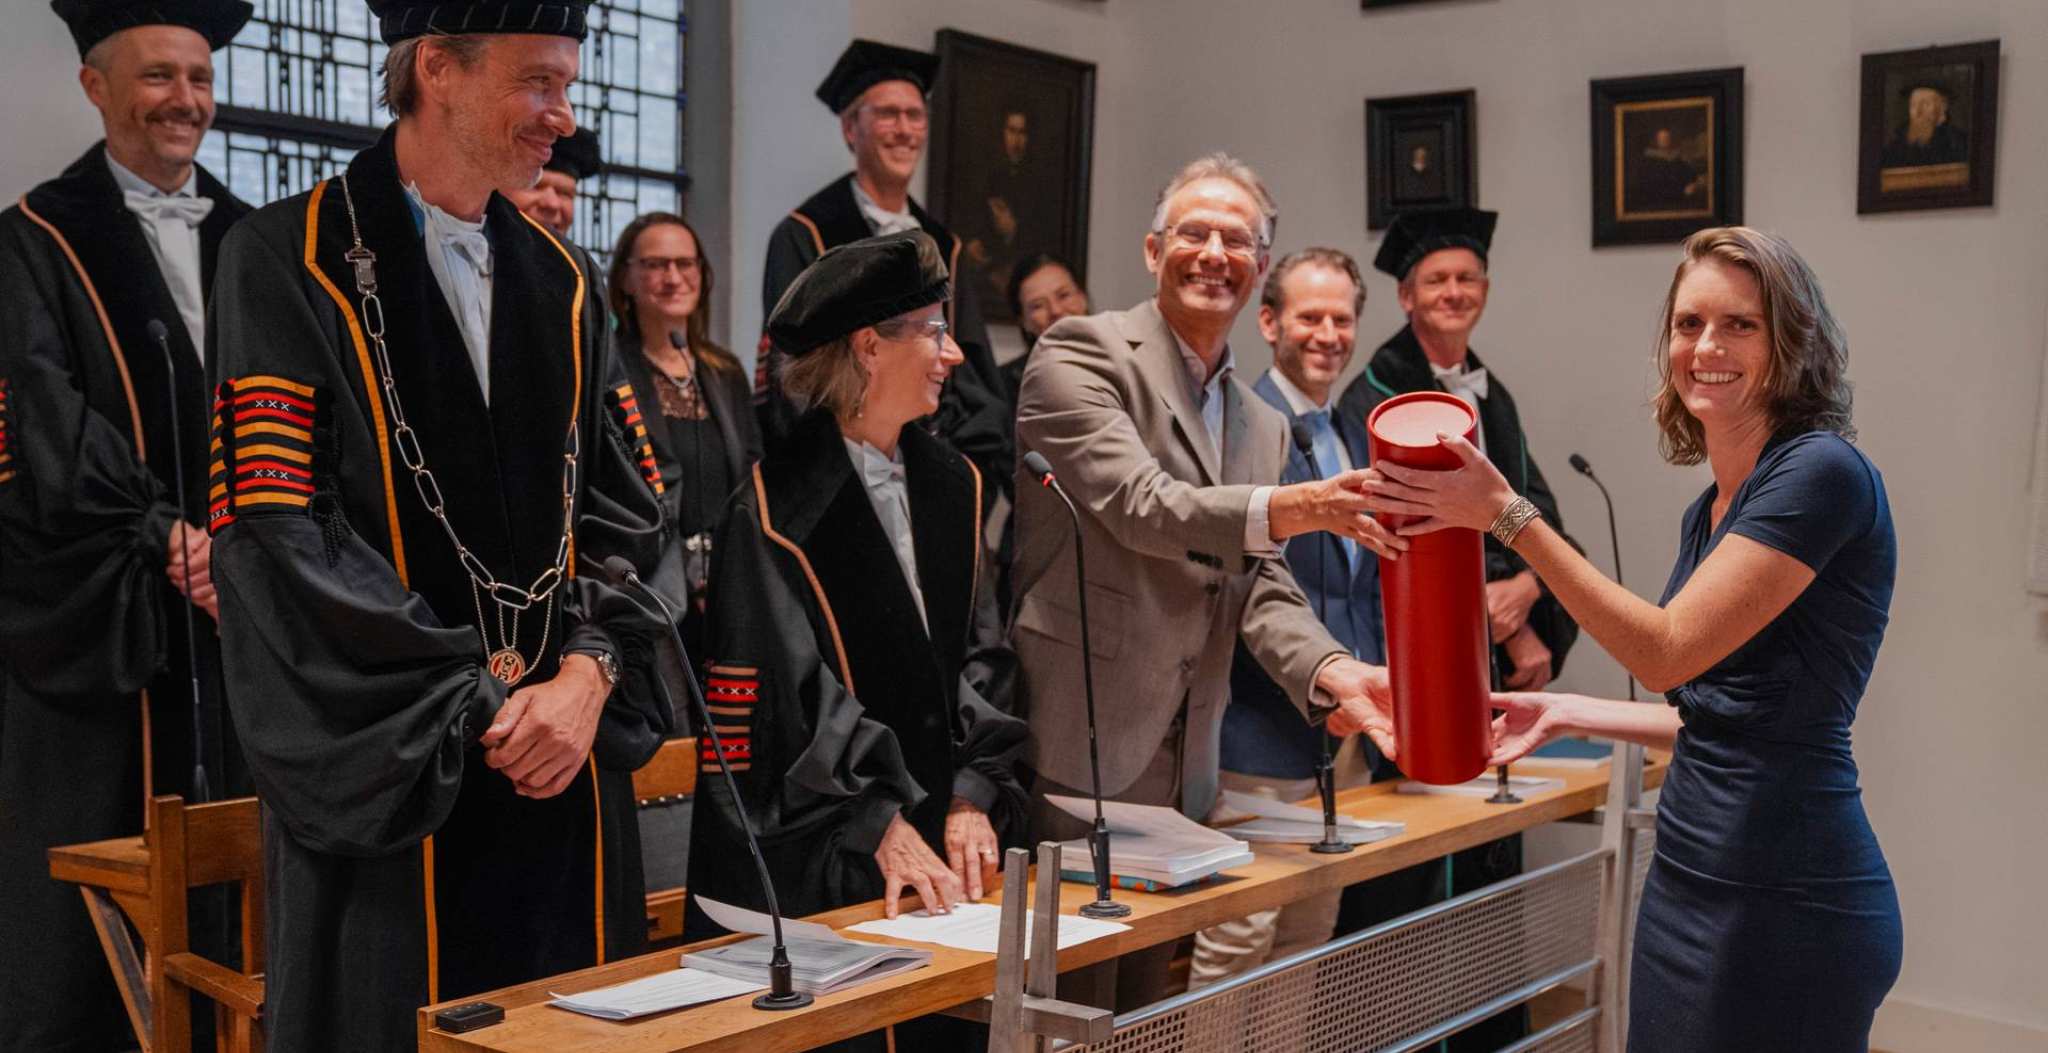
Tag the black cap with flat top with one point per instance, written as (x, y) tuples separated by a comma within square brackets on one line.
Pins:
[(866, 63), (1414, 235), (858, 284), (404, 19), (576, 155), (92, 21)]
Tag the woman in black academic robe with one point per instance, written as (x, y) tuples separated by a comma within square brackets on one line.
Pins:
[(689, 395), (860, 705)]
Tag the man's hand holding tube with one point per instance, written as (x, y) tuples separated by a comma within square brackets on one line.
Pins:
[(1364, 700)]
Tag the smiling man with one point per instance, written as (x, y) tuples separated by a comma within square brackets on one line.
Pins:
[(411, 499), (97, 420), (879, 93), (1440, 259), (1176, 468)]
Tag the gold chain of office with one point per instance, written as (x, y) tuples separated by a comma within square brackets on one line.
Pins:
[(508, 602)]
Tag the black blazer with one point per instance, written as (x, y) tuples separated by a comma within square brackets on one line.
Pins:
[(726, 397)]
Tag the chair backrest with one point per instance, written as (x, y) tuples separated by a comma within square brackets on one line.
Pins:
[(664, 786), (191, 846), (672, 772)]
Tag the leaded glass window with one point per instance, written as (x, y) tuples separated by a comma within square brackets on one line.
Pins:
[(297, 98)]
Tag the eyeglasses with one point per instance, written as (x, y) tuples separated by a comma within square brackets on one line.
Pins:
[(651, 265), (908, 116), (906, 330), (1237, 241)]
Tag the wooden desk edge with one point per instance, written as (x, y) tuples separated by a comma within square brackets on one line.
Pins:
[(947, 982)]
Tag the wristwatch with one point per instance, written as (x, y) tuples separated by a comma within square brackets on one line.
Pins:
[(607, 664)]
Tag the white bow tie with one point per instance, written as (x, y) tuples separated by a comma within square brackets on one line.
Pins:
[(877, 472), (160, 207), (472, 245), (1466, 382)]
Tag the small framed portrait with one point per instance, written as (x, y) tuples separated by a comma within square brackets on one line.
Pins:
[(1667, 155), (1011, 141), (1419, 154), (1930, 128)]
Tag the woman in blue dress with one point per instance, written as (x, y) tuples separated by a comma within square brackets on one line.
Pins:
[(1769, 920)]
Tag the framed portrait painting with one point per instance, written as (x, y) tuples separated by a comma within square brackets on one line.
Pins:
[(1011, 142), (1419, 154), (1930, 128), (1667, 155)]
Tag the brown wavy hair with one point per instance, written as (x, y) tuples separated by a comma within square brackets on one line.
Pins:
[(1806, 384), (698, 329)]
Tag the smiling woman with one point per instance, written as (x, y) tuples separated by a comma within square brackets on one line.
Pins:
[(1763, 642)]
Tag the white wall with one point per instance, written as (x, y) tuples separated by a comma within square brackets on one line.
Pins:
[(47, 123), (1945, 311)]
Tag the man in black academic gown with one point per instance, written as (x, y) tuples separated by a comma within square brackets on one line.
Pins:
[(552, 200), (1439, 257), (879, 92), (425, 663), (96, 421)]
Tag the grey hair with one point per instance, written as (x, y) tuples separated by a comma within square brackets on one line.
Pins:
[(101, 55), (401, 92), (1222, 166)]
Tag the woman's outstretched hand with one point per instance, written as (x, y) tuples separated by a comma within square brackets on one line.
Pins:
[(1470, 496), (1528, 720)]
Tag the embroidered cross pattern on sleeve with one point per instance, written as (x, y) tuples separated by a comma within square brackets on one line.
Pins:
[(730, 693), (262, 448)]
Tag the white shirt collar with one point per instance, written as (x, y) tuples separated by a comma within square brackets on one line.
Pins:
[(127, 180), (1198, 371), (883, 220), (1297, 400)]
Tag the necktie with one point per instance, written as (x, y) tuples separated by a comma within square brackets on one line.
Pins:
[(1330, 461), (172, 222)]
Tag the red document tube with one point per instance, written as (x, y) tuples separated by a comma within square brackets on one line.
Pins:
[(1435, 599)]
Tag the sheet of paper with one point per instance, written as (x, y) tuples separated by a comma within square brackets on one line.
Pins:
[(1485, 785), (654, 994), (1267, 808), (1286, 831), (740, 919), (978, 927), (1147, 819)]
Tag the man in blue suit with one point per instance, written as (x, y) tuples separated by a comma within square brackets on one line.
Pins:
[(1308, 312)]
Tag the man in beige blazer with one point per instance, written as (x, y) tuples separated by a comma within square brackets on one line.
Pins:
[(1174, 465)]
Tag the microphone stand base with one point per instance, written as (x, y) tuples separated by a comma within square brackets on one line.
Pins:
[(1106, 908), (792, 1000), (1331, 848)]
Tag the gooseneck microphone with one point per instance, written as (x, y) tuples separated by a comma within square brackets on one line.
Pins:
[(1581, 466), (200, 792), (1326, 771), (782, 992), (1098, 838)]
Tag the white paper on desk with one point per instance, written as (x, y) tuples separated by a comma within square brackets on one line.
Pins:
[(740, 919), (654, 994), (978, 927), (1146, 819), (1268, 808), (1290, 832), (1485, 785)]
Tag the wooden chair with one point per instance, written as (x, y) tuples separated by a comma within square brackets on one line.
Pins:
[(193, 846), (666, 782), (143, 881)]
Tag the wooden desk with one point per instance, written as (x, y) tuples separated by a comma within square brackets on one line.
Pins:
[(1437, 825)]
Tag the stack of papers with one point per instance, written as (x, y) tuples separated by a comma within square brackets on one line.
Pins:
[(1150, 846), (977, 927), (821, 961), (1485, 785), (1274, 823), (655, 994)]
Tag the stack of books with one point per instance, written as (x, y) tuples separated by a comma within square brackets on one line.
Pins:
[(1150, 848)]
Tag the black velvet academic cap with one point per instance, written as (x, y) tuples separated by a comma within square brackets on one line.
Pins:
[(1414, 235), (404, 19), (866, 63), (857, 285), (92, 21), (576, 156)]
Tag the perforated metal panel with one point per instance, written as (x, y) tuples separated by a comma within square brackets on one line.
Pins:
[(1390, 985)]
